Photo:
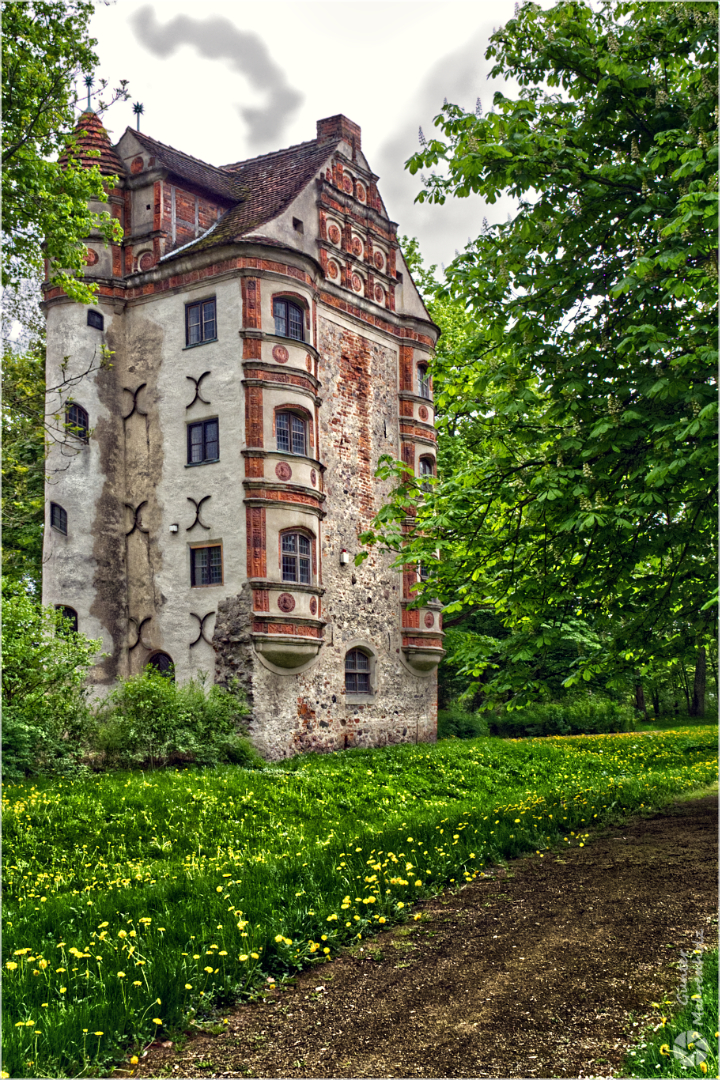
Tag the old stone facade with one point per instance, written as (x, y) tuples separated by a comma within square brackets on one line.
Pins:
[(256, 346)]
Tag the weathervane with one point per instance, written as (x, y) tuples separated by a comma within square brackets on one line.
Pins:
[(138, 109), (88, 82)]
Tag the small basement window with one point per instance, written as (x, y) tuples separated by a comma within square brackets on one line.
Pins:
[(357, 672), (58, 518), (162, 664), (94, 318), (288, 319), (206, 565), (203, 442), (200, 322)]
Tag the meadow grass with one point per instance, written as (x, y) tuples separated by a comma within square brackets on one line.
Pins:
[(685, 1042), (136, 902)]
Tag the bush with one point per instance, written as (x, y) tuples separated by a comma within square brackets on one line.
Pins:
[(44, 695), (149, 720), (576, 716), (455, 722)]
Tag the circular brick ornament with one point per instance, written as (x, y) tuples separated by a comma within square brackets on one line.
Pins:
[(378, 260), (332, 270), (359, 192), (348, 184), (423, 413), (137, 165), (429, 620), (357, 283), (286, 602), (357, 247), (283, 471), (313, 477), (280, 354), (313, 606), (379, 294), (91, 257), (334, 234), (146, 260)]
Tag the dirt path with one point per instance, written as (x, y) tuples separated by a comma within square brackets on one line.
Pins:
[(532, 973)]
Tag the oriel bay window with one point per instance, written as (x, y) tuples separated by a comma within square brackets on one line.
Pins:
[(206, 565), (200, 322), (296, 554), (203, 442), (291, 433), (289, 319)]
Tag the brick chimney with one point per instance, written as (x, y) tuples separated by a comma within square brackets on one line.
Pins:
[(335, 128)]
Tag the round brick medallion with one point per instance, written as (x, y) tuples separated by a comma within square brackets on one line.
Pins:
[(91, 257), (378, 260), (347, 184), (357, 247), (137, 165), (313, 606), (379, 294), (313, 477), (332, 270), (283, 471), (286, 602), (146, 260), (334, 234), (280, 354), (429, 620), (423, 413), (359, 192), (357, 283)]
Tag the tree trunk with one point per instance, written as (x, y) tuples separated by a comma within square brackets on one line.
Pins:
[(686, 688), (640, 699), (698, 699), (655, 702)]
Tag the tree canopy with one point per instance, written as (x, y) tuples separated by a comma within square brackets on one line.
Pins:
[(579, 485), (46, 47)]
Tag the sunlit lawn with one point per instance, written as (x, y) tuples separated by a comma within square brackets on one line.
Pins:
[(132, 899)]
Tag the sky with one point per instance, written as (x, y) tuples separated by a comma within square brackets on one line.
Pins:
[(225, 81)]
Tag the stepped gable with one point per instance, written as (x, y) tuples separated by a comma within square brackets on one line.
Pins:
[(90, 135), (265, 186), (189, 168)]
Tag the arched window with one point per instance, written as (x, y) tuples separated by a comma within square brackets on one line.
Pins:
[(70, 616), (289, 319), (427, 468), (423, 381), (296, 558), (58, 518), (357, 672), (77, 422), (162, 664), (291, 433)]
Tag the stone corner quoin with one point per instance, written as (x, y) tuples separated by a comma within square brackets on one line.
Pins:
[(267, 346)]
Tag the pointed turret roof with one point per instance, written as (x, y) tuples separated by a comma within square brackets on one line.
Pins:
[(90, 135)]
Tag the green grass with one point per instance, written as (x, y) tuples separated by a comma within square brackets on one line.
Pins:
[(132, 900), (684, 1044)]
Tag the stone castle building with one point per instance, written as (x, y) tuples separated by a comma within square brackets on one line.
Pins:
[(257, 344)]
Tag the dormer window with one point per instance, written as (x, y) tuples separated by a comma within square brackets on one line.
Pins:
[(289, 319)]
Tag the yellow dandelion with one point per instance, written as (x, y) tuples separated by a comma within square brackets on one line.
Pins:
[(157, 1020), (121, 974), (134, 1059), (665, 1050), (11, 965), (188, 986), (255, 955)]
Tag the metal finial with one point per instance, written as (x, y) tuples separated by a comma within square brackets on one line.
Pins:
[(138, 109), (88, 82)]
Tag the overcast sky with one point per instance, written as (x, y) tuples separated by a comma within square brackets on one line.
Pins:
[(229, 80)]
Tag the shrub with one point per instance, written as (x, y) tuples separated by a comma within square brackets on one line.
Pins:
[(455, 722), (150, 720), (44, 696), (576, 716)]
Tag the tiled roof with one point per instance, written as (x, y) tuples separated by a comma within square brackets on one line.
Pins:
[(265, 187), (92, 136), (197, 172)]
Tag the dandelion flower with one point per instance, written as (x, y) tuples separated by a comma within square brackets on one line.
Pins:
[(188, 986), (134, 1059), (255, 955), (208, 969), (242, 957), (121, 974), (137, 983), (11, 965), (665, 1050), (157, 1020), (98, 1033)]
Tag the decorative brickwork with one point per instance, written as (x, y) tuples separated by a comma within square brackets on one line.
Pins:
[(256, 542), (254, 466), (254, 416), (251, 303), (252, 349), (261, 600)]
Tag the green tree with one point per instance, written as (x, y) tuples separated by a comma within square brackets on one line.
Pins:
[(582, 491), (45, 49)]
